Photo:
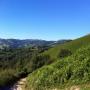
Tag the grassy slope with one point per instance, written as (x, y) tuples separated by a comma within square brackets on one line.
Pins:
[(73, 46), (72, 70), (69, 71)]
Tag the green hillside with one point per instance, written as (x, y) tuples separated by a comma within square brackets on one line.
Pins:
[(73, 70), (73, 46), (17, 63), (65, 72)]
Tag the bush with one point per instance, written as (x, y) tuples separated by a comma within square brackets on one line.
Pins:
[(64, 53), (40, 60)]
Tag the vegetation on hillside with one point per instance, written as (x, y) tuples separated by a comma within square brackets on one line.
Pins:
[(72, 70), (17, 63), (73, 46), (63, 65)]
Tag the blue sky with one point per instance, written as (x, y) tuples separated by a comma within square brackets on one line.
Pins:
[(44, 19)]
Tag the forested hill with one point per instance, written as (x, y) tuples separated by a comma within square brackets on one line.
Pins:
[(17, 62), (17, 43)]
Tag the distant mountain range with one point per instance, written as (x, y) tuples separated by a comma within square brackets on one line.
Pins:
[(17, 43)]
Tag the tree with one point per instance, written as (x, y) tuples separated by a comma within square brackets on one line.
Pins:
[(40, 60), (64, 53)]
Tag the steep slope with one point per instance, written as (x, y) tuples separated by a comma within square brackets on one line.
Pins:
[(73, 46), (69, 71)]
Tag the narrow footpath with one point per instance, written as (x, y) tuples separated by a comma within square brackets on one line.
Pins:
[(19, 85)]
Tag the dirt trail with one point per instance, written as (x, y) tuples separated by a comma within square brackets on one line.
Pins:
[(75, 88), (19, 84)]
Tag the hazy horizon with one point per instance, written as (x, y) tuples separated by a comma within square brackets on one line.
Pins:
[(44, 19)]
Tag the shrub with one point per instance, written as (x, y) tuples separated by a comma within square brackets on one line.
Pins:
[(40, 60), (64, 53)]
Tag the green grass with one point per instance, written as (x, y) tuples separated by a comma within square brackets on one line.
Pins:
[(73, 46), (73, 70)]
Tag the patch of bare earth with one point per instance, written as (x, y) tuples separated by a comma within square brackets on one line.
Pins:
[(19, 85), (75, 88)]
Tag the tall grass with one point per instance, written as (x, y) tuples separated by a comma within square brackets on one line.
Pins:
[(72, 70)]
